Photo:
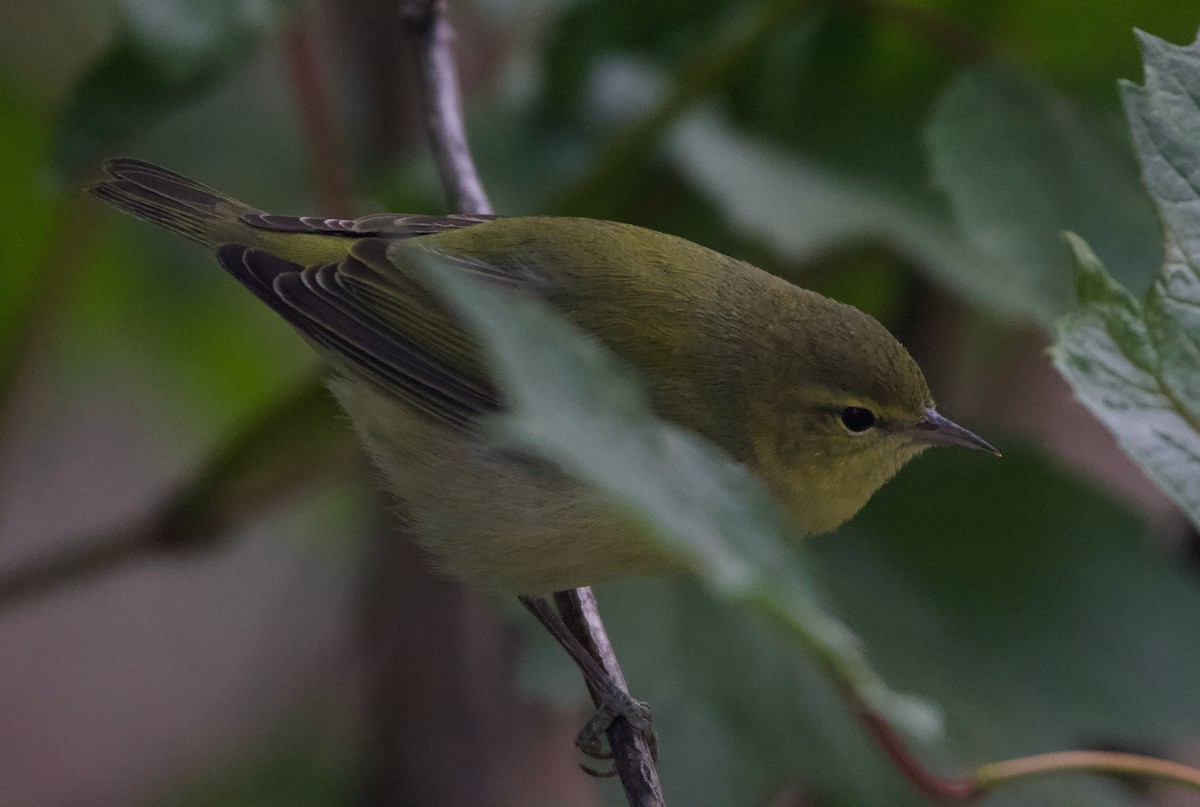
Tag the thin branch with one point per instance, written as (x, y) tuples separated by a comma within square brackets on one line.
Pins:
[(633, 757), (441, 99), (78, 561), (1107, 763), (989, 778)]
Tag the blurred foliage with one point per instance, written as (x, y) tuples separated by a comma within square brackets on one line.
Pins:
[(26, 202), (163, 55), (946, 146), (1019, 166), (299, 768)]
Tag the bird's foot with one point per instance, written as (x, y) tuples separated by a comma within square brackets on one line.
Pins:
[(613, 701), (616, 704)]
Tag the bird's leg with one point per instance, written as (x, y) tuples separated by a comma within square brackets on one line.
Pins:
[(612, 699)]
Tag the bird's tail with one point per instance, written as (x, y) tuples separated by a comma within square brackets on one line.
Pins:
[(173, 201)]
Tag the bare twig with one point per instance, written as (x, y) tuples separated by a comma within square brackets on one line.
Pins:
[(78, 561), (442, 102), (1105, 763), (632, 757), (989, 778)]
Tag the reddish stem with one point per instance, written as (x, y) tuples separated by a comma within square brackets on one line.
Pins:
[(324, 145), (938, 788)]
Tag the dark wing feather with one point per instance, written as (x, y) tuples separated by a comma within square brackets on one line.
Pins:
[(380, 325)]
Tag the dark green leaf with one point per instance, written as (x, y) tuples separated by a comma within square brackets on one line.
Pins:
[(1031, 606), (802, 207), (1019, 166)]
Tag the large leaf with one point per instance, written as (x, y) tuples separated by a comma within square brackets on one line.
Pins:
[(1020, 165), (1031, 606), (576, 405), (802, 207), (1136, 364)]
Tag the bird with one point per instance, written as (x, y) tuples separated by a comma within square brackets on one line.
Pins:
[(814, 397)]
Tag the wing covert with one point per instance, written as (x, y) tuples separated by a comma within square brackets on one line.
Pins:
[(377, 224), (378, 323)]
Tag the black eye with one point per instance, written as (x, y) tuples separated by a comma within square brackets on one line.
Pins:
[(857, 419)]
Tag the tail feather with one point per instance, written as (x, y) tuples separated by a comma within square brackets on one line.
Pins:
[(173, 201)]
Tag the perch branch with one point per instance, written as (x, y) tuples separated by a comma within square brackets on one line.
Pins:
[(442, 101), (633, 757)]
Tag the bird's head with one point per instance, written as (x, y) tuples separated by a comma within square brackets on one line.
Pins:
[(848, 408)]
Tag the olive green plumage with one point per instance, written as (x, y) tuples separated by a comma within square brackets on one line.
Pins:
[(813, 396)]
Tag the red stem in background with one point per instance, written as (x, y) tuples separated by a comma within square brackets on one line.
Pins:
[(324, 146), (947, 791)]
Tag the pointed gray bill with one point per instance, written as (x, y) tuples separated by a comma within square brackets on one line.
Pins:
[(937, 430)]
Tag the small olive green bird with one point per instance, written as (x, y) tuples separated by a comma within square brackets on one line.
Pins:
[(814, 397)]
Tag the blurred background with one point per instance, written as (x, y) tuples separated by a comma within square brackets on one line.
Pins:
[(202, 600)]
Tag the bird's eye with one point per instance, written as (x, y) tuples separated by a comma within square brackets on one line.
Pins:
[(857, 419)]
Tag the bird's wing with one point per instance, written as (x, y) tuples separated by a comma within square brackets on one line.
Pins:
[(378, 323)]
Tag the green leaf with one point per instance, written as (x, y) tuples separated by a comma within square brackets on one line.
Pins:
[(164, 55), (1020, 165), (1031, 606), (1036, 610), (1137, 366), (802, 207), (576, 405)]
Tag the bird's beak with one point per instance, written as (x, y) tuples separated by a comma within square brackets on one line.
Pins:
[(937, 430)]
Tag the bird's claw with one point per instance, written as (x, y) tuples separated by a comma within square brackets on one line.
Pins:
[(598, 774), (614, 706)]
